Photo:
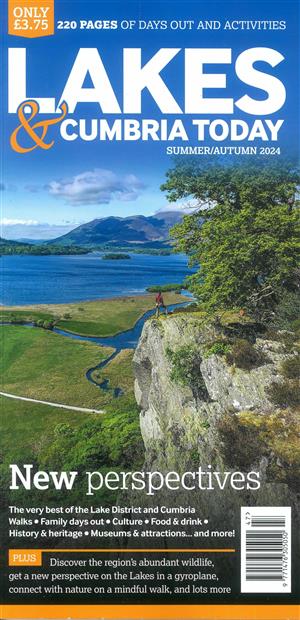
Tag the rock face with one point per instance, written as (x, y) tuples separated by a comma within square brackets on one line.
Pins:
[(180, 425), (172, 415)]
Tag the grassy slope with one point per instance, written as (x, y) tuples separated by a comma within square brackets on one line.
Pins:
[(43, 365), (34, 434), (93, 318), (118, 371), (24, 424), (39, 364), (26, 432)]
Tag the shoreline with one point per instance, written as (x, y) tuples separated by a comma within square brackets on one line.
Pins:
[(61, 324), (59, 331), (42, 306)]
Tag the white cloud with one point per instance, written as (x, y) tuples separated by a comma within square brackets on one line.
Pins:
[(98, 186), (32, 229), (189, 206), (8, 222)]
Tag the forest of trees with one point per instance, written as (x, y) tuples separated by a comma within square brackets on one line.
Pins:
[(13, 247)]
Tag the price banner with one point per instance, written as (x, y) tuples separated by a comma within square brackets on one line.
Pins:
[(31, 18)]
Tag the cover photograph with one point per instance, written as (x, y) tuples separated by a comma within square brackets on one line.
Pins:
[(149, 310)]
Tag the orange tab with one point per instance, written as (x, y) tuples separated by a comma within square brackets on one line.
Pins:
[(31, 18), (24, 557), (152, 612)]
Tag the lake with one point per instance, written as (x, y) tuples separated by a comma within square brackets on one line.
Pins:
[(61, 279)]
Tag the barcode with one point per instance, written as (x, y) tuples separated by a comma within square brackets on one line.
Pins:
[(266, 549), (265, 521)]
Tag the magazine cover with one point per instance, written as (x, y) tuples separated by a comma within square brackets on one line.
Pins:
[(150, 402)]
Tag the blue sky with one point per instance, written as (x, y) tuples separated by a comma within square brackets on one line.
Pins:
[(39, 188)]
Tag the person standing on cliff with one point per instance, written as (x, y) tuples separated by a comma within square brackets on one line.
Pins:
[(159, 302)]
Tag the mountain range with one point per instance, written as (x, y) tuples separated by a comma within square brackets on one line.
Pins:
[(12, 243), (116, 231)]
